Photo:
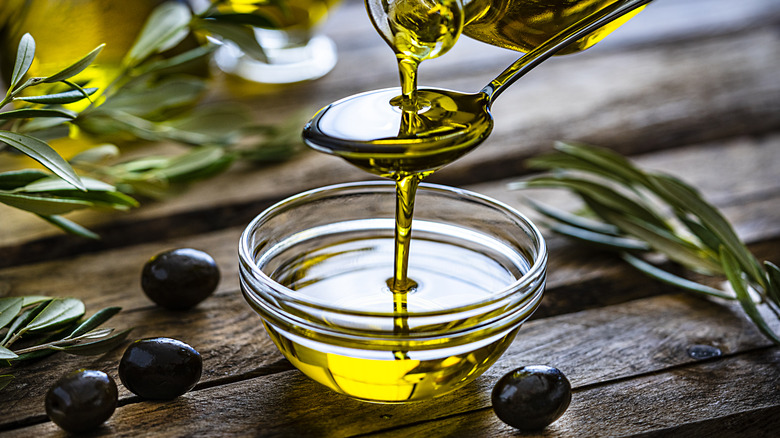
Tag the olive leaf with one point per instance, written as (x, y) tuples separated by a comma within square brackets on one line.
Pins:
[(75, 68), (18, 178), (9, 308), (661, 212), (51, 196), (59, 312), (69, 226), (59, 98), (7, 354), (24, 58), (241, 36), (22, 320), (96, 155), (94, 321), (600, 194), (601, 239), (165, 27), (732, 268), (773, 280), (42, 205), (672, 279), (24, 113), (159, 66), (44, 154)]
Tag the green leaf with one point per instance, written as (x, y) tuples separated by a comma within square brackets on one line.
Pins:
[(667, 243), (70, 227), (96, 347), (9, 309), (94, 321), (24, 58), (75, 68), (59, 98), (166, 26), (22, 320), (672, 279), (707, 238), (221, 123), (44, 154), (97, 154), (34, 299), (7, 354), (5, 379), (606, 240), (601, 194), (50, 127), (26, 113), (18, 178), (54, 184), (59, 312), (153, 99), (733, 273), (687, 199), (193, 164), (34, 355), (78, 88), (573, 219), (45, 206), (609, 163), (175, 62), (241, 36), (773, 281)]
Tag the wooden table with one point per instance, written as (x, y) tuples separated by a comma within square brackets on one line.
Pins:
[(689, 87)]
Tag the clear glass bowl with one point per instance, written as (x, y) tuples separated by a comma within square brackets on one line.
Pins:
[(314, 267)]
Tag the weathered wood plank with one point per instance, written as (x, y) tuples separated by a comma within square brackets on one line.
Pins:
[(603, 352), (719, 398), (763, 422), (603, 103)]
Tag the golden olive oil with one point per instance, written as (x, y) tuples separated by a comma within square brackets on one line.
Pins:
[(349, 273), (525, 24)]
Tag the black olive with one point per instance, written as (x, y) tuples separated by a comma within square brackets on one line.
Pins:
[(160, 368), (82, 400), (180, 279), (531, 397)]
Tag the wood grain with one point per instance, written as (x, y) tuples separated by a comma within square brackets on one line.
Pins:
[(599, 350)]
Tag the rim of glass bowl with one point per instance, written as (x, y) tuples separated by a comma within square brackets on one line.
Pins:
[(292, 297)]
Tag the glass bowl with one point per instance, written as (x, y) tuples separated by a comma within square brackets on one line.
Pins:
[(314, 267)]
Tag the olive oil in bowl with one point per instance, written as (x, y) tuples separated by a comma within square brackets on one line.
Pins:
[(315, 268)]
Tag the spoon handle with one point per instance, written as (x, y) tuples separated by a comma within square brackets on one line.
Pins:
[(562, 39)]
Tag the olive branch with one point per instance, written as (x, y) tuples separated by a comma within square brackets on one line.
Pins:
[(638, 213), (45, 325), (151, 99)]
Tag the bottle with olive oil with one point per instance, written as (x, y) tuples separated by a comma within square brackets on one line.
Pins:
[(525, 24)]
